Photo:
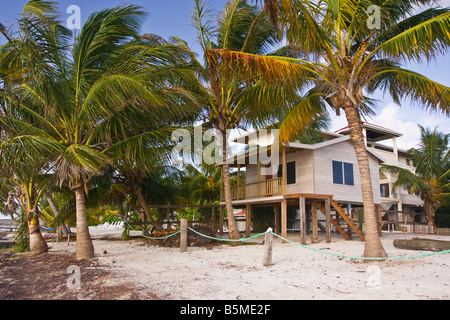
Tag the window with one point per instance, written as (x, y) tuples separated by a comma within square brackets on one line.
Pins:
[(338, 177), (343, 173), (384, 190), (290, 173), (348, 174)]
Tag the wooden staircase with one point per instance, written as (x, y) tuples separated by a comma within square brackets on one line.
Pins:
[(341, 221), (344, 223)]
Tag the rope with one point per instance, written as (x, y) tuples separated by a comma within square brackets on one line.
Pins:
[(220, 239), (325, 252), (363, 258), (154, 238), (160, 238), (302, 246)]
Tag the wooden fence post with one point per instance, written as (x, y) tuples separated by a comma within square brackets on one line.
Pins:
[(268, 245), (183, 235)]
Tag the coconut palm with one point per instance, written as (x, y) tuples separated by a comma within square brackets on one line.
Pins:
[(430, 179), (349, 53), (29, 185), (205, 185), (151, 180), (78, 103), (234, 98), (28, 175)]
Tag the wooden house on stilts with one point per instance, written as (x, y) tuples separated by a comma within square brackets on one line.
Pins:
[(319, 181)]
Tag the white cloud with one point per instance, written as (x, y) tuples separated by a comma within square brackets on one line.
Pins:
[(444, 3), (393, 117), (337, 122)]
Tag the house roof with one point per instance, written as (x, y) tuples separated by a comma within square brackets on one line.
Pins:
[(328, 143), (293, 146), (374, 132)]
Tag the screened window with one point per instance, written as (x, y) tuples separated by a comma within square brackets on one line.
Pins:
[(343, 173), (290, 173)]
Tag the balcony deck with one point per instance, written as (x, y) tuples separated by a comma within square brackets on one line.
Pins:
[(257, 190)]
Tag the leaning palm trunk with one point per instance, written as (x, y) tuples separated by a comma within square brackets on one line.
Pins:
[(373, 247), (85, 248), (232, 228), (62, 227), (147, 214)]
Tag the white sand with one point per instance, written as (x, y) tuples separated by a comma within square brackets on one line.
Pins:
[(229, 273)]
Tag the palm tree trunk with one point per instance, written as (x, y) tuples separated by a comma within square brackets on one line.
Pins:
[(37, 242), (373, 247), (143, 204), (213, 215), (62, 227), (85, 248), (430, 212), (232, 228)]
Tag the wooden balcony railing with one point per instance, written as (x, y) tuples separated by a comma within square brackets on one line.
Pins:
[(260, 189)]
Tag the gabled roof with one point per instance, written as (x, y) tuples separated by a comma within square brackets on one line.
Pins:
[(294, 146), (328, 143)]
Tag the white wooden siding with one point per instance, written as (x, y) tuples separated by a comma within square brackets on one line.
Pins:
[(344, 152), (314, 173)]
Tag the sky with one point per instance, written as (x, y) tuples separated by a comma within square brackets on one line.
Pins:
[(171, 18)]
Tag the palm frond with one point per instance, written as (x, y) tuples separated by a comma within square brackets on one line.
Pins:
[(302, 28), (251, 67), (302, 116), (140, 150), (420, 37), (79, 163), (406, 178), (402, 83), (98, 41), (202, 21)]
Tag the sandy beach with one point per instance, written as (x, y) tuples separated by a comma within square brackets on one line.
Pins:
[(237, 273)]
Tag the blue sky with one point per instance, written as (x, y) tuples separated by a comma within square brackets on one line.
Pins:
[(171, 18)]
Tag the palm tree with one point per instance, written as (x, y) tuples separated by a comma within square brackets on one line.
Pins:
[(16, 170), (205, 185), (145, 182), (79, 105), (28, 176), (344, 58), (430, 179), (234, 98)]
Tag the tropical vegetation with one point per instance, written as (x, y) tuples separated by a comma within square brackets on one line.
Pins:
[(74, 108), (86, 120), (234, 98), (430, 179), (348, 52)]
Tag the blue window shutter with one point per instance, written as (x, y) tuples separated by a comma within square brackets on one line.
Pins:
[(348, 174), (338, 176)]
